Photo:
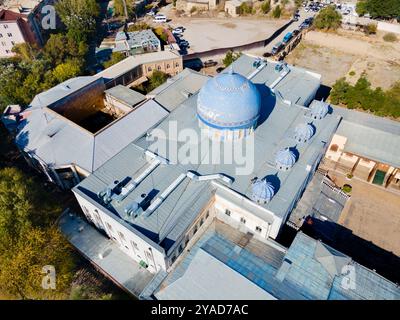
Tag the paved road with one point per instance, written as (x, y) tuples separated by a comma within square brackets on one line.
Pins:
[(303, 15)]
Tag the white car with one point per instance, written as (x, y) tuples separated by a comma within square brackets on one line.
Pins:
[(178, 30), (160, 18)]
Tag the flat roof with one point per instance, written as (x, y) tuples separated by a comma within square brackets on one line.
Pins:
[(275, 132), (178, 88), (132, 62), (369, 136), (126, 95)]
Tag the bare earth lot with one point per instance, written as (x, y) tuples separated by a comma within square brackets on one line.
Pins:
[(372, 213), (335, 55)]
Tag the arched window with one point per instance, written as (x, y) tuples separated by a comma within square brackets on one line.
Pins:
[(334, 147)]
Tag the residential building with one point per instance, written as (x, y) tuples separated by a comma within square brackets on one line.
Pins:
[(136, 42)]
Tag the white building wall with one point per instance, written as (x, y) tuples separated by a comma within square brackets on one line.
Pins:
[(132, 244), (10, 34), (251, 221)]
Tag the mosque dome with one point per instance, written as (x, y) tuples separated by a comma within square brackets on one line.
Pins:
[(319, 109), (285, 159), (230, 102), (262, 191), (303, 132)]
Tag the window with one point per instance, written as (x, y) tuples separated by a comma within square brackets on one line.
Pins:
[(12, 42), (227, 212), (243, 220), (181, 248), (194, 230), (134, 247), (207, 214), (3, 43), (1, 36), (167, 64), (149, 69), (177, 64), (201, 221), (5, 26), (122, 237), (9, 34), (158, 68), (173, 259), (258, 229)]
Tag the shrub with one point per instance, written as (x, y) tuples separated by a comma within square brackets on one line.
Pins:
[(276, 13), (139, 26), (352, 73), (328, 19), (193, 9), (266, 6), (390, 37), (230, 57), (347, 188), (371, 28), (245, 8)]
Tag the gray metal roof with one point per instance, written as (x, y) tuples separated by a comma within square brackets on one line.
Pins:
[(56, 93), (369, 136), (125, 95), (136, 39), (207, 278), (48, 136), (275, 131), (178, 88)]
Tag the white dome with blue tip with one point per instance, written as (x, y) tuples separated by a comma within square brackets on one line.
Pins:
[(319, 109), (285, 159), (303, 132), (229, 101), (262, 191)]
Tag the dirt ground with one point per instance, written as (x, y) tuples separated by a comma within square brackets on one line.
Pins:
[(204, 32), (372, 213), (349, 54)]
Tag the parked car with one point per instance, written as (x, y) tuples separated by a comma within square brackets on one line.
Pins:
[(210, 63), (160, 18), (178, 30), (296, 32), (276, 48), (184, 43), (287, 37)]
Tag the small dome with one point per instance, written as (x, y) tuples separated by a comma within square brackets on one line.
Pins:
[(319, 109), (229, 101), (285, 159), (262, 191), (303, 132)]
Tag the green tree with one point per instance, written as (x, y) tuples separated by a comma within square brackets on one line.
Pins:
[(68, 69), (276, 13), (115, 58), (328, 19), (379, 9), (245, 8), (266, 6), (230, 57), (156, 79), (79, 16), (138, 26)]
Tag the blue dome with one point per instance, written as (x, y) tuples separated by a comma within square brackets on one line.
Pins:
[(303, 132), (229, 101), (262, 191), (285, 159), (319, 109)]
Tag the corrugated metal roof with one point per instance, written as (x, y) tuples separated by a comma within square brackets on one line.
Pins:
[(126, 95), (207, 278), (178, 88)]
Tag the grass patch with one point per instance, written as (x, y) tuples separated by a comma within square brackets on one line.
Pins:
[(390, 37)]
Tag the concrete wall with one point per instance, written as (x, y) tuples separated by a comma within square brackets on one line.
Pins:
[(82, 103)]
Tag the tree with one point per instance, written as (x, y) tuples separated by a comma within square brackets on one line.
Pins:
[(156, 79), (276, 13), (245, 8), (79, 16), (28, 238), (119, 9), (115, 58), (379, 9), (69, 69), (266, 6), (371, 28), (230, 57), (328, 19), (139, 26)]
